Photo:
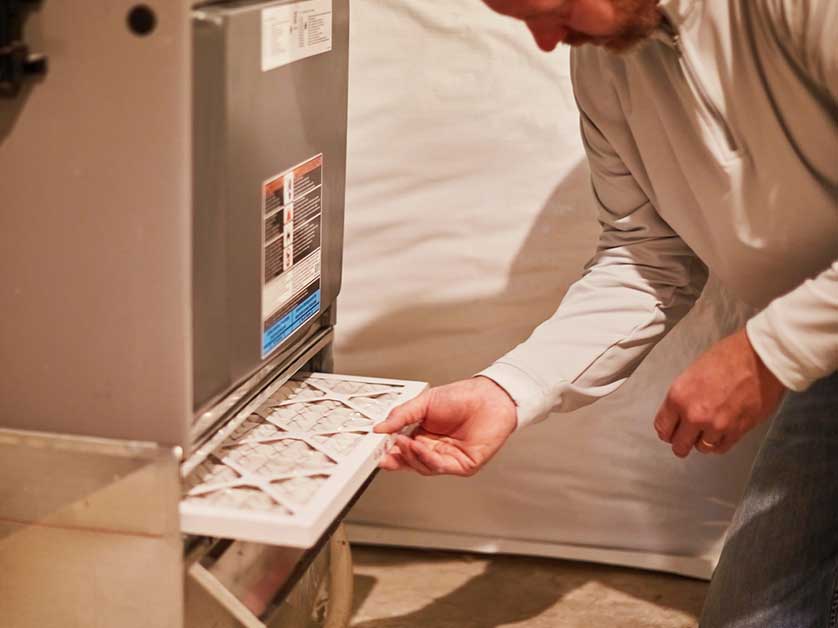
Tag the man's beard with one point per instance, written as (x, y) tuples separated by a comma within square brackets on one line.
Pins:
[(638, 19)]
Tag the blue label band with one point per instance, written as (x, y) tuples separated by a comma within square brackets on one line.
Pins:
[(290, 323)]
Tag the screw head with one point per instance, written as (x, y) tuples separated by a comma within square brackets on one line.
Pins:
[(142, 20)]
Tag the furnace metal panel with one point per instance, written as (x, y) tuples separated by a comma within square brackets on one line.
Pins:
[(89, 533), (95, 227), (120, 295), (251, 125)]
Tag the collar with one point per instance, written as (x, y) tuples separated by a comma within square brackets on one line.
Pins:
[(680, 12), (677, 14)]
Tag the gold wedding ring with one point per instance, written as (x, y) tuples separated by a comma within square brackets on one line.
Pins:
[(708, 445)]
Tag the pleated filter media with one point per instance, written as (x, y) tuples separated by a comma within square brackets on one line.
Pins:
[(285, 469)]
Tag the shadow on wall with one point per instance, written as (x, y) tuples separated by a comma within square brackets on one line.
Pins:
[(460, 337), (10, 110), (511, 590)]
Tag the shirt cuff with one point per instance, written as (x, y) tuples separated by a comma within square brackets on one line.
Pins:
[(777, 355), (532, 402)]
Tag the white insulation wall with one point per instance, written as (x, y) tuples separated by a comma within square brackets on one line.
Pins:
[(468, 216)]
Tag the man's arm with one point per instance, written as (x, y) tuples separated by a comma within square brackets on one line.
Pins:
[(796, 336), (793, 342), (739, 382), (641, 281), (806, 30)]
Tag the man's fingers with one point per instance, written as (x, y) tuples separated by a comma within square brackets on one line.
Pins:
[(666, 422), (429, 457), (435, 461), (710, 442), (726, 445), (458, 461), (410, 457), (730, 438), (408, 413), (685, 438), (392, 462)]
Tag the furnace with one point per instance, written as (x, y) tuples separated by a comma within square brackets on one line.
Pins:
[(175, 450)]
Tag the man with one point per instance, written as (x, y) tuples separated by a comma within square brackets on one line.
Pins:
[(711, 138)]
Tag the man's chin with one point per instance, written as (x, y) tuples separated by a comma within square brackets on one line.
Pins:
[(639, 19)]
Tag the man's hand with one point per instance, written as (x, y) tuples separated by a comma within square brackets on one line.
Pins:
[(461, 426), (712, 404)]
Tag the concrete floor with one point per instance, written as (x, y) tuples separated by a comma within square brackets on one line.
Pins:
[(397, 588)]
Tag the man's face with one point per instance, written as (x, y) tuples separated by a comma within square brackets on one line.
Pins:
[(615, 24)]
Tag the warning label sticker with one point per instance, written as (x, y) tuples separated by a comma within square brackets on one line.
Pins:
[(292, 224), (294, 31)]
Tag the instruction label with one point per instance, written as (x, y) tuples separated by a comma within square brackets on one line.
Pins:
[(294, 31), (292, 205)]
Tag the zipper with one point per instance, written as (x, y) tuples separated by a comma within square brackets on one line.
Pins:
[(708, 103)]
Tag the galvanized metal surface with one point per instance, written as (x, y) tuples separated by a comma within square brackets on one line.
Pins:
[(89, 533), (249, 126), (96, 226), (99, 219), (244, 586), (96, 252)]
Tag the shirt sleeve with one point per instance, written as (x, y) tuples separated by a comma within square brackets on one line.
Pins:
[(796, 336), (806, 29), (641, 281)]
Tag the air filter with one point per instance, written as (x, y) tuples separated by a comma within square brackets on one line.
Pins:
[(285, 469)]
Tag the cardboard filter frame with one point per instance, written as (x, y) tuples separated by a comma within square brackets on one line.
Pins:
[(285, 467)]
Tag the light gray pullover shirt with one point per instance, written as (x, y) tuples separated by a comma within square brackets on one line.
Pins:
[(712, 145)]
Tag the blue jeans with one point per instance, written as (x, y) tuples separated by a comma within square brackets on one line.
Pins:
[(779, 566)]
